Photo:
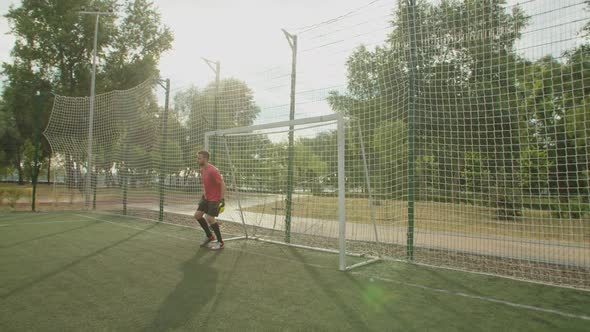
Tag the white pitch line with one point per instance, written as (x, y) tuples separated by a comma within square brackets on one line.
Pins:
[(481, 298)]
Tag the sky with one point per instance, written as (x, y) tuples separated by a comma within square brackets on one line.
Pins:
[(246, 37)]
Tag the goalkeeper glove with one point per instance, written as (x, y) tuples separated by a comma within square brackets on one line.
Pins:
[(221, 206)]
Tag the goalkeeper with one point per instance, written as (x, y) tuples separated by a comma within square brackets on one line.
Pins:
[(212, 201)]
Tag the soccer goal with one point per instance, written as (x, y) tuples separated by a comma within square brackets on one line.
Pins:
[(286, 182)]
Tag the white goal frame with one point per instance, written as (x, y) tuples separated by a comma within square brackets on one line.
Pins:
[(340, 121)]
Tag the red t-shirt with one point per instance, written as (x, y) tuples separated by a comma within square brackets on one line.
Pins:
[(212, 182)]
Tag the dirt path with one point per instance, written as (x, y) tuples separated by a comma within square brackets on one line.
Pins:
[(558, 252)]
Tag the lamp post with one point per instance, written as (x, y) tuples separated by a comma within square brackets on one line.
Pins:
[(292, 39), (98, 14)]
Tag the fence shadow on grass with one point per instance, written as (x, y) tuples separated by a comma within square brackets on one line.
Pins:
[(44, 236), (72, 264)]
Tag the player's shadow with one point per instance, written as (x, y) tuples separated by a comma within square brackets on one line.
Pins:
[(197, 287)]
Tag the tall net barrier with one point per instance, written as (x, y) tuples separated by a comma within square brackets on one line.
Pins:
[(466, 139), (474, 116), (125, 152), (496, 167)]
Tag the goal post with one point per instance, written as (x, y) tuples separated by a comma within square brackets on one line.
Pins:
[(257, 193)]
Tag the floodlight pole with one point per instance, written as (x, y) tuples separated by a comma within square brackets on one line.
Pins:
[(89, 187), (216, 68), (292, 39)]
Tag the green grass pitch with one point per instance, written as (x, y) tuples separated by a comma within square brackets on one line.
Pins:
[(94, 272)]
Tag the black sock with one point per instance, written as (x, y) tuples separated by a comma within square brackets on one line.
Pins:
[(203, 224), (215, 227)]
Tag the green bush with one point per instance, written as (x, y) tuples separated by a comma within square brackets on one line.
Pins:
[(13, 195), (574, 209)]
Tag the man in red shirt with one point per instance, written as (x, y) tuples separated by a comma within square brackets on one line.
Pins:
[(210, 202)]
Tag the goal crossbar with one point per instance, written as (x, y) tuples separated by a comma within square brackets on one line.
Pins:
[(246, 129)]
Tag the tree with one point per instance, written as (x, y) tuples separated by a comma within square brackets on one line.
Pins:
[(186, 106), (236, 105), (557, 107), (9, 139), (48, 56), (465, 88), (174, 157), (20, 107), (138, 44), (390, 145), (196, 111), (534, 169), (310, 170)]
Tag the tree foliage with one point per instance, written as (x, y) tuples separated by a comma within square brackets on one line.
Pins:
[(494, 124), (53, 53)]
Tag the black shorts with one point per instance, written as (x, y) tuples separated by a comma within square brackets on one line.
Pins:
[(208, 207)]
